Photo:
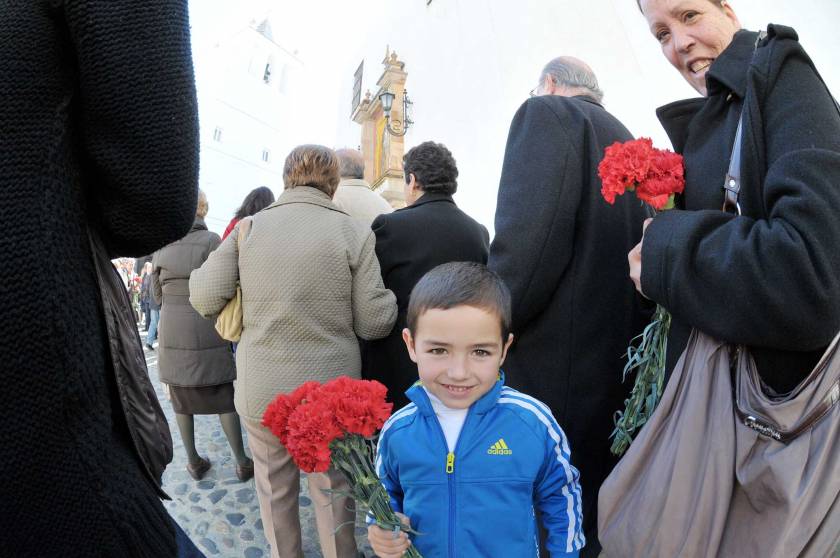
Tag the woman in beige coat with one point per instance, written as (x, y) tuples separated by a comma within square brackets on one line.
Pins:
[(310, 286)]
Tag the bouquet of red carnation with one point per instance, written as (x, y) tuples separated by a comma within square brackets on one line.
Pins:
[(334, 424), (656, 176)]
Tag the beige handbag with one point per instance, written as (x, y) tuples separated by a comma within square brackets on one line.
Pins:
[(229, 320), (711, 477)]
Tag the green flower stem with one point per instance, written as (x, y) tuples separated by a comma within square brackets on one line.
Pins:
[(646, 359), (353, 455)]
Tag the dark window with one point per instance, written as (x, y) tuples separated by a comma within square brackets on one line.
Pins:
[(357, 86)]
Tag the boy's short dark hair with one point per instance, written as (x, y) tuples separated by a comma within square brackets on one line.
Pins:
[(460, 284), (433, 166)]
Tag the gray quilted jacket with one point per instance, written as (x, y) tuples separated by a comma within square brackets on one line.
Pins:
[(310, 286)]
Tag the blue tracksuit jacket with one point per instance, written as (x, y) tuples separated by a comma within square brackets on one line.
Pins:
[(479, 501)]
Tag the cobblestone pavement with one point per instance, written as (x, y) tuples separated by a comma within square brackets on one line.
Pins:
[(219, 513)]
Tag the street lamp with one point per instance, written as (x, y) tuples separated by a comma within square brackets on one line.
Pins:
[(387, 100)]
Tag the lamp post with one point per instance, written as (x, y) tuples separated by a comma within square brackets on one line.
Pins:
[(387, 100)]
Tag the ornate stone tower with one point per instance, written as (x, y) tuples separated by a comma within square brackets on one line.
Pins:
[(382, 151)]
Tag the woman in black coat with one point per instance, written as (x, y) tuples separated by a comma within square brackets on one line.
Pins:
[(99, 131), (430, 231), (769, 278)]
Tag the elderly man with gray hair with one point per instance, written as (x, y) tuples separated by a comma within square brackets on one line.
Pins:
[(354, 194), (562, 250)]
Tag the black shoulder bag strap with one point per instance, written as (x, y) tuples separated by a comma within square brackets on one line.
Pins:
[(732, 184)]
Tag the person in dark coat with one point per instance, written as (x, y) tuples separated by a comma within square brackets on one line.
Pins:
[(99, 131), (561, 249), (770, 277), (194, 361), (430, 231)]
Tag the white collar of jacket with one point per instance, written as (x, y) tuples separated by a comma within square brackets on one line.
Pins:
[(419, 397), (306, 194)]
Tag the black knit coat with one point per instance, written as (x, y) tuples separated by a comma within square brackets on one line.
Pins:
[(98, 128)]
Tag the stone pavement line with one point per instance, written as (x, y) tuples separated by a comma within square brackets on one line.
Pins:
[(219, 513)]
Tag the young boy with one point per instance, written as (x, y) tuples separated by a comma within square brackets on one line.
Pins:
[(471, 461)]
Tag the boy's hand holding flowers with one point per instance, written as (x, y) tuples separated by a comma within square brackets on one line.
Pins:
[(389, 544)]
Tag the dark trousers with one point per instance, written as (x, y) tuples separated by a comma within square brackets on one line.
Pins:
[(186, 548)]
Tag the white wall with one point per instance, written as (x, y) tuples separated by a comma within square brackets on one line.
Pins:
[(471, 63), (253, 116), (230, 58)]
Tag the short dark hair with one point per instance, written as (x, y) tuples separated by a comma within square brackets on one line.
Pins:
[(460, 284), (256, 200), (433, 166)]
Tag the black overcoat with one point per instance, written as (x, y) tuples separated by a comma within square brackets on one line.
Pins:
[(409, 243), (562, 250), (769, 279), (98, 128)]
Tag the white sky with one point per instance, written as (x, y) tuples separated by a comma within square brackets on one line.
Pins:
[(329, 35), (317, 29)]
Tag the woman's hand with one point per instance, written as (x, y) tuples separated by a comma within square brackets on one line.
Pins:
[(634, 258), (389, 544)]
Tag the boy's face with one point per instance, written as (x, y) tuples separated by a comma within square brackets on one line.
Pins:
[(458, 353)]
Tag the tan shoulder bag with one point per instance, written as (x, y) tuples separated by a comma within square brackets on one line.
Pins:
[(229, 320)]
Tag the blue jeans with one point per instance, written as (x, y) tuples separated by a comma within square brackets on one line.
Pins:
[(150, 338)]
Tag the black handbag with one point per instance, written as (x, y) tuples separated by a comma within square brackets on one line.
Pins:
[(147, 424)]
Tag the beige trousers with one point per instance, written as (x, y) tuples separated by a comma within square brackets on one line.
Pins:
[(277, 479)]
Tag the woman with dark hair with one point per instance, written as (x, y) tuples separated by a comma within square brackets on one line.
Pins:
[(256, 200)]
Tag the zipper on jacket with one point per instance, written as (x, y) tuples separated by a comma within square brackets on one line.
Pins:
[(450, 469), (450, 477)]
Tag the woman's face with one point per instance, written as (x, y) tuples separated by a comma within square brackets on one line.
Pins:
[(692, 34)]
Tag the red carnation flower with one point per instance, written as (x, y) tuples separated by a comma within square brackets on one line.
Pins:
[(654, 174), (624, 166), (359, 405), (277, 413), (311, 429)]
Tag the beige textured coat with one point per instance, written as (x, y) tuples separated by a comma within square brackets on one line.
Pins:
[(310, 285), (356, 198)]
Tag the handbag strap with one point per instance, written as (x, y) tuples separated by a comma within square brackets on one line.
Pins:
[(769, 430), (732, 184), (732, 190)]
